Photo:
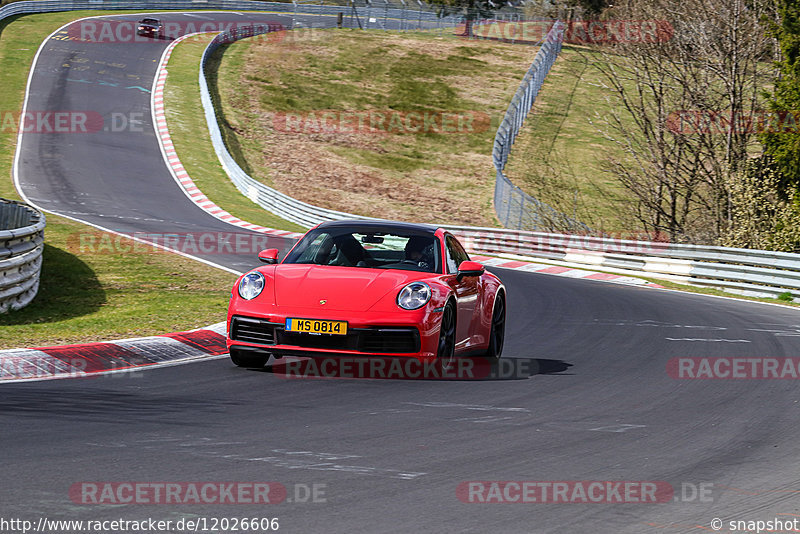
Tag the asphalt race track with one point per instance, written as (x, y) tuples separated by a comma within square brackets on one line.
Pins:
[(596, 402), (115, 179)]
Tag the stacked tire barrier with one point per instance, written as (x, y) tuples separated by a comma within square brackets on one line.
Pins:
[(21, 246)]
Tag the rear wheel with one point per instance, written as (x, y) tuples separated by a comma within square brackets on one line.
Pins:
[(447, 337), (498, 331), (248, 359)]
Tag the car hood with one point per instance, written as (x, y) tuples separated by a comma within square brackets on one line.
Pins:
[(342, 288)]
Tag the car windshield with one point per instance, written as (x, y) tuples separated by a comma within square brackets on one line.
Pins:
[(154, 22), (369, 248)]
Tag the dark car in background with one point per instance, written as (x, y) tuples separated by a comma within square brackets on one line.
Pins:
[(150, 27)]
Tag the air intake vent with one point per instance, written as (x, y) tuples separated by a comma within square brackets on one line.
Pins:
[(252, 330)]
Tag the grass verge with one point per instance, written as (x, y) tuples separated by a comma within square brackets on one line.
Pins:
[(189, 132), (328, 118), (560, 152), (119, 291), (233, 60)]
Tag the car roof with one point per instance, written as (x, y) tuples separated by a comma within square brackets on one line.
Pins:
[(376, 225)]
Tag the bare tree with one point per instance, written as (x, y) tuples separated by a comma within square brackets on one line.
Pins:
[(682, 100), (566, 10)]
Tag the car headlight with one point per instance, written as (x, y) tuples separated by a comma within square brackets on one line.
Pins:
[(251, 285), (414, 296)]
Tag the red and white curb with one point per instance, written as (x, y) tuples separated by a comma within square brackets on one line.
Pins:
[(92, 359), (174, 163), (124, 355), (557, 270), (102, 358)]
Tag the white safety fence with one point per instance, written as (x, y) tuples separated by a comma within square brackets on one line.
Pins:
[(514, 207)]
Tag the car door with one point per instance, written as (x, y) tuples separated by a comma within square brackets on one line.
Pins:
[(467, 291)]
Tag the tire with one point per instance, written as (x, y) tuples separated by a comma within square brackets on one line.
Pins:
[(498, 331), (248, 360), (446, 350)]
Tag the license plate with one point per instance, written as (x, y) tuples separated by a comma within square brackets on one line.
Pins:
[(315, 326)]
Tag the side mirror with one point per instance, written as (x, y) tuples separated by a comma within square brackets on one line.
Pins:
[(470, 268), (269, 256)]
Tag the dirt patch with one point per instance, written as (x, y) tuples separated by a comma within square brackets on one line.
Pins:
[(387, 172)]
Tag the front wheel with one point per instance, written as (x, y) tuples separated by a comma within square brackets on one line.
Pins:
[(498, 331), (249, 360), (447, 337)]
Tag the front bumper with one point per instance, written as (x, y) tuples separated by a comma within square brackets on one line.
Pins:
[(268, 335)]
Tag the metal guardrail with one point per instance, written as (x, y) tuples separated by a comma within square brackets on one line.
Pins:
[(369, 14), (21, 246), (268, 198), (753, 272), (750, 272), (756, 272)]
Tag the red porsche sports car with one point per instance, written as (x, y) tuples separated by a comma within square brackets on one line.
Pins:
[(367, 288)]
